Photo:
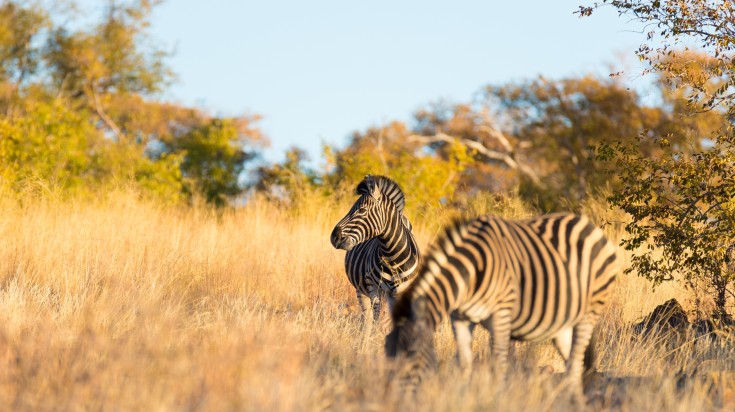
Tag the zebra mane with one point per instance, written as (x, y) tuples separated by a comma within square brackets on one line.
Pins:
[(445, 243), (388, 188)]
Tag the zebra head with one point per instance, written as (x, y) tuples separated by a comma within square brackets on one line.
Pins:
[(411, 342), (368, 217)]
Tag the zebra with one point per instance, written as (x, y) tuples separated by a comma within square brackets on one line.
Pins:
[(547, 277), (382, 254)]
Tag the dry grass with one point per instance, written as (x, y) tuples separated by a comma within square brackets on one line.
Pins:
[(121, 304)]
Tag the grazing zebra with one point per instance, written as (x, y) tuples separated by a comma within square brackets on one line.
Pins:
[(382, 254), (547, 277)]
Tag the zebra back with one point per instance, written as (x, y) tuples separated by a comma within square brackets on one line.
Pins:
[(559, 259)]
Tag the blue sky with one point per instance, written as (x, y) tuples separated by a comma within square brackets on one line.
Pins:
[(318, 70)]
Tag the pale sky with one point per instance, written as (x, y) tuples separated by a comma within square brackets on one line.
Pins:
[(318, 70)]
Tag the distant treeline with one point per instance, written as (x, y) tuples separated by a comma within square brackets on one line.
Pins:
[(80, 112)]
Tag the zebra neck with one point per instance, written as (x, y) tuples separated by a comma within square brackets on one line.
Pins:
[(398, 247)]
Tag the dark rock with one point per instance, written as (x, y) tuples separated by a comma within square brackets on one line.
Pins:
[(703, 327), (664, 318), (670, 319)]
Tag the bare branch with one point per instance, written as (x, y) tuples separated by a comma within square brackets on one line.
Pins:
[(484, 151), (497, 135), (101, 113)]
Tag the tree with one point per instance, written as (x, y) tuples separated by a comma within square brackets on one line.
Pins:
[(89, 67), (498, 162), (81, 111), (539, 135), (287, 182), (214, 157), (671, 26), (426, 176), (20, 27), (51, 144), (561, 122), (682, 203)]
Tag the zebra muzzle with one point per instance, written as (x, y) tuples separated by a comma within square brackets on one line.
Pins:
[(340, 242)]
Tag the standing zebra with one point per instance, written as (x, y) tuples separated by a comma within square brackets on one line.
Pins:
[(547, 277), (382, 254)]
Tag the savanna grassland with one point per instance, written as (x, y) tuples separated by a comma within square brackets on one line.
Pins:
[(123, 304)]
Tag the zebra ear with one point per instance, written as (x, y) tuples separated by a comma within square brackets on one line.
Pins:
[(373, 187)]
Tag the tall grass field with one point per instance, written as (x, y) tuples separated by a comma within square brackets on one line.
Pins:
[(123, 304)]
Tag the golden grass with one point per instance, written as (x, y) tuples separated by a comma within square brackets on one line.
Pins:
[(122, 304)]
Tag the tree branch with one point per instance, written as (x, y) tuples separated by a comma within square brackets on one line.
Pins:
[(484, 151), (101, 113)]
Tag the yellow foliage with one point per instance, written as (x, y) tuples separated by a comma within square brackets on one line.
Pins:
[(55, 149), (48, 143), (428, 178)]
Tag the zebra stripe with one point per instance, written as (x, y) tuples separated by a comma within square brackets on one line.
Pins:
[(547, 277), (382, 253)]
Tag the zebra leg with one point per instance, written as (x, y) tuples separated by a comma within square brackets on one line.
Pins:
[(463, 336), (375, 302), (366, 306), (499, 326), (563, 342), (575, 363)]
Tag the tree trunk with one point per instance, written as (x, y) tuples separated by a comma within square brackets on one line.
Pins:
[(720, 298)]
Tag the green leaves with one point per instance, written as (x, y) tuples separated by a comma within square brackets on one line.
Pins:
[(709, 25), (682, 209), (576, 128), (681, 201), (19, 28), (80, 114), (48, 143), (110, 57), (213, 158), (429, 176)]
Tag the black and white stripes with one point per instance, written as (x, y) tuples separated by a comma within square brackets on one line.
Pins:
[(547, 277), (382, 254)]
